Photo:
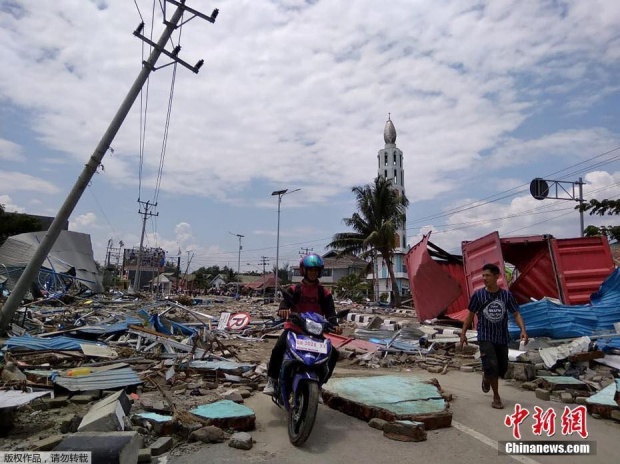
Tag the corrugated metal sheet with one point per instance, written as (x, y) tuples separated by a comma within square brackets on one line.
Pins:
[(547, 319), (14, 398), (458, 274), (71, 249), (27, 342), (476, 254), (104, 329), (433, 289), (102, 380), (536, 276), (582, 265)]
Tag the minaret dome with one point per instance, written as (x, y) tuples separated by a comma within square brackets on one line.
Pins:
[(389, 133)]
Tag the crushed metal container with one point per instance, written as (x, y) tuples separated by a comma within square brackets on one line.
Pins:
[(569, 270)]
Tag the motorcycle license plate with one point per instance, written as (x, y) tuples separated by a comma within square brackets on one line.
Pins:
[(311, 345)]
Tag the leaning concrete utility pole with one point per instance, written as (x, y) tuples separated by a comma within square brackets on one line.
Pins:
[(24, 282)]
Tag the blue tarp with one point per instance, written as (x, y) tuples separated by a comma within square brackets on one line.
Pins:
[(608, 344), (27, 342), (166, 326), (547, 319)]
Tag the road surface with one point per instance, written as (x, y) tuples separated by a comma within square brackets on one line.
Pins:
[(472, 439)]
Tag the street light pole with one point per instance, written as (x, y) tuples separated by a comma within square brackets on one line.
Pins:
[(280, 194), (239, 236)]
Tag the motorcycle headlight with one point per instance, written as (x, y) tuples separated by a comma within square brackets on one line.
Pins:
[(314, 328)]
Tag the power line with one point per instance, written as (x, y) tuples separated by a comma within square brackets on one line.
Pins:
[(516, 190)]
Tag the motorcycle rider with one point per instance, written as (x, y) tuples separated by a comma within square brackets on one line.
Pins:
[(309, 296)]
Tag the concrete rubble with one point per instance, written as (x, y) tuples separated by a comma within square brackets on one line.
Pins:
[(156, 374)]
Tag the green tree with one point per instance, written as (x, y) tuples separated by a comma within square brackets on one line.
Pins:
[(14, 224), (283, 273), (352, 286), (602, 208), (381, 212)]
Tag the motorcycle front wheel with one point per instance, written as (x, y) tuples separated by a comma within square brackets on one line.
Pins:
[(302, 414)]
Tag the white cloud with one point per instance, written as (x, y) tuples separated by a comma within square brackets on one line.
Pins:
[(10, 151), (295, 94), (11, 181), (7, 202), (83, 221), (523, 215)]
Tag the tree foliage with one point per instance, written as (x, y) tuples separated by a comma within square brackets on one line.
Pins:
[(380, 213), (602, 208), (14, 224), (354, 287)]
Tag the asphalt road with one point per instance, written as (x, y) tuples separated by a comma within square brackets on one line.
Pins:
[(338, 438)]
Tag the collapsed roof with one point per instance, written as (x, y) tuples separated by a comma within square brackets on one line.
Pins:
[(72, 251)]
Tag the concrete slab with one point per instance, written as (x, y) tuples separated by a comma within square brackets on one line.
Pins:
[(227, 414), (160, 424), (603, 403), (119, 396), (405, 431), (390, 398), (106, 418), (48, 444), (106, 448), (552, 383), (162, 445)]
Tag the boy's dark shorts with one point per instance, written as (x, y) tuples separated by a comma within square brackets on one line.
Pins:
[(494, 358)]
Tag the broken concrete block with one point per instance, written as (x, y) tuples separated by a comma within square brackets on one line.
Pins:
[(405, 431), (523, 372), (566, 398), (543, 394), (106, 448), (227, 414), (402, 398), (70, 423), (467, 369), (531, 386), (234, 396), (435, 369), (245, 393), (144, 455), (581, 400), (162, 445), (47, 444), (374, 323), (241, 440), (107, 418), (119, 396), (82, 399), (58, 402), (157, 423), (377, 423), (615, 414), (186, 429), (11, 373), (208, 434)]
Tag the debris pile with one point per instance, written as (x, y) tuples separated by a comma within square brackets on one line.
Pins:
[(154, 369)]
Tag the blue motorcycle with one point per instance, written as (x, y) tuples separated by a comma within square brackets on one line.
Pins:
[(303, 371)]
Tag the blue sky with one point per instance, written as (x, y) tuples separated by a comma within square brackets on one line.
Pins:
[(484, 96)]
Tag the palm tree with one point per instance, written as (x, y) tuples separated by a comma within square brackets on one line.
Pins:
[(381, 212)]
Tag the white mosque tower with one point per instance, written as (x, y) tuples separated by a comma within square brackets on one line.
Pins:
[(390, 166)]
